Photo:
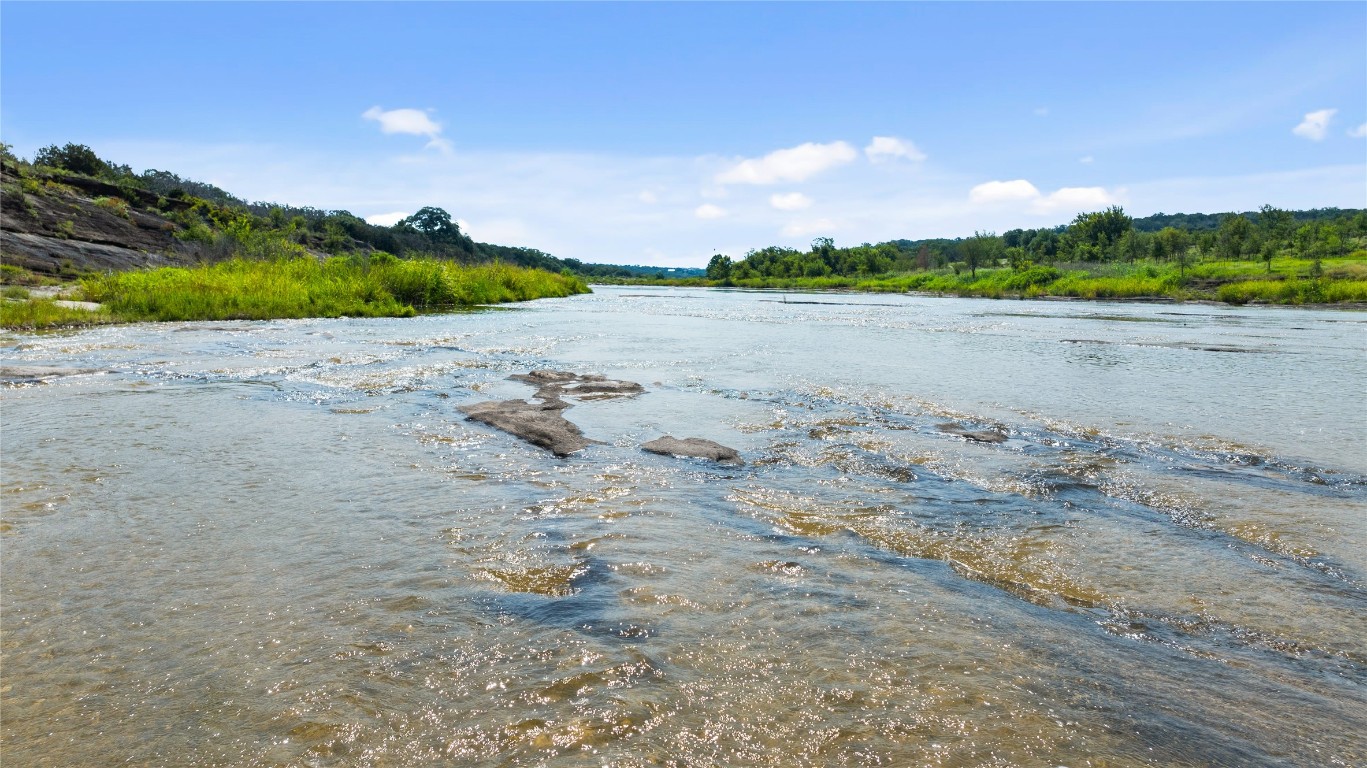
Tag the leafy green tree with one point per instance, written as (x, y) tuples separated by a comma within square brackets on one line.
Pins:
[(1235, 237), (433, 222), (1094, 234), (1175, 244), (719, 268), (1277, 224), (980, 249), (1269, 252), (77, 158)]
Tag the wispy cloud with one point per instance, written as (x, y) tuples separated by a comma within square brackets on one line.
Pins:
[(1359, 132), (709, 211), (1086, 160), (793, 201), (809, 227), (788, 165), (413, 122), (887, 148), (1315, 126)]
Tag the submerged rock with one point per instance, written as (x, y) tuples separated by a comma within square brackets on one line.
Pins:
[(557, 384), (27, 374), (694, 446), (538, 423), (977, 436)]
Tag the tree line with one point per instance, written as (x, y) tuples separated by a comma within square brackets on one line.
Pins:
[(1109, 235)]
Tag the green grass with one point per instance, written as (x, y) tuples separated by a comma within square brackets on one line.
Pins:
[(45, 313), (296, 287), (1236, 282)]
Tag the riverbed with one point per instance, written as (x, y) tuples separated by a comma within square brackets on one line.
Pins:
[(282, 543)]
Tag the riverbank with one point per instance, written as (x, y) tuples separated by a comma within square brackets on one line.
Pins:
[(244, 289), (1291, 281)]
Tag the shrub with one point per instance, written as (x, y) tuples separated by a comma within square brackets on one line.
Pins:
[(116, 205)]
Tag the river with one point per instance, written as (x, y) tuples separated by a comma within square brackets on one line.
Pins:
[(280, 543)]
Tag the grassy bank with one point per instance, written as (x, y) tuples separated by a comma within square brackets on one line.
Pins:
[(1290, 281), (246, 289)]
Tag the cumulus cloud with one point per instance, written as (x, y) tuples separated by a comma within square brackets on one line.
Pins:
[(386, 219), (887, 148), (1003, 191), (794, 164), (1064, 199), (1315, 125), (1073, 199), (709, 211), (793, 201), (413, 122), (1359, 132)]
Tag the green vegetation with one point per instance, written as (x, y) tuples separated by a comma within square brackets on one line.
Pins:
[(1272, 256), (378, 285)]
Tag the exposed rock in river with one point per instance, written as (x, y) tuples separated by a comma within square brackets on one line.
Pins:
[(694, 446), (538, 423), (977, 436), (541, 424)]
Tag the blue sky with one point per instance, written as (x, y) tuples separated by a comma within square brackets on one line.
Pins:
[(662, 133)]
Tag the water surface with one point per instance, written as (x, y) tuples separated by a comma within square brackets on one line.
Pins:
[(280, 544)]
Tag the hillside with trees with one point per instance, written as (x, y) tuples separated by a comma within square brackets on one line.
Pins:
[(68, 212)]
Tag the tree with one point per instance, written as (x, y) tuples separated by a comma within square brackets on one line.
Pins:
[(1173, 243), (433, 222), (1100, 231), (719, 268), (1235, 237), (1278, 224), (77, 158), (980, 249)]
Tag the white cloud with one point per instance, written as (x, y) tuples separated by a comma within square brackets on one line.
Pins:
[(1003, 191), (886, 148), (795, 164), (1075, 199), (1041, 111), (647, 197), (1359, 132), (709, 211), (809, 227), (413, 122), (386, 219), (1088, 160), (1315, 125), (793, 201), (1064, 200)]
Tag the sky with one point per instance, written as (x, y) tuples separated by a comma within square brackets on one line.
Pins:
[(661, 133)]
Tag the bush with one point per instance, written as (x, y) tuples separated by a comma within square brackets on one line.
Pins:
[(76, 158), (116, 205)]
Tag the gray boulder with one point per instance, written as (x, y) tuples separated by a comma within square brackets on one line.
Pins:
[(694, 446)]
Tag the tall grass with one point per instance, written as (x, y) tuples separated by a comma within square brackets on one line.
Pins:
[(294, 287), (38, 314)]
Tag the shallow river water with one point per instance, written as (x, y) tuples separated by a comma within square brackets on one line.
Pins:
[(280, 543)]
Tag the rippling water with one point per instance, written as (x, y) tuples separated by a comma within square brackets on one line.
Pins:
[(280, 543)]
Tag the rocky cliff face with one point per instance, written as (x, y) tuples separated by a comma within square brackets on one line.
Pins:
[(54, 226)]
